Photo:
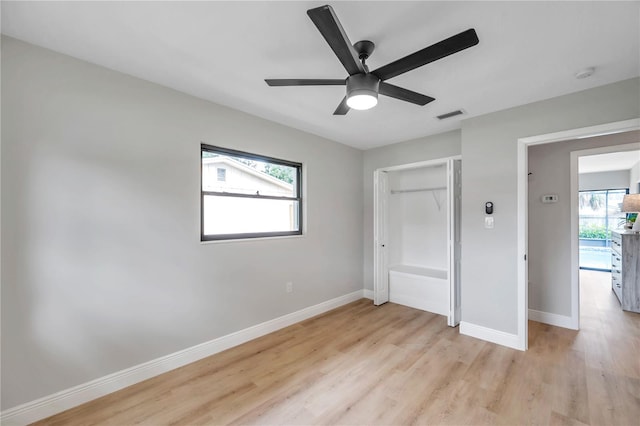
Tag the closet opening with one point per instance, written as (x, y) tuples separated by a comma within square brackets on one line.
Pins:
[(417, 236)]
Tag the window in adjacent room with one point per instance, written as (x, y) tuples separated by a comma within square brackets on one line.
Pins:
[(245, 195), (599, 213)]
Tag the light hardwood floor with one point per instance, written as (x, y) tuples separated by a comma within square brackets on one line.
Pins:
[(361, 364)]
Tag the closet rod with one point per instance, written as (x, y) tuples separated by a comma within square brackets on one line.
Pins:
[(400, 191)]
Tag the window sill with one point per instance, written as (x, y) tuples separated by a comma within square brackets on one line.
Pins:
[(245, 240)]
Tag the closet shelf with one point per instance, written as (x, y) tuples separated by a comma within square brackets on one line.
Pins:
[(402, 191)]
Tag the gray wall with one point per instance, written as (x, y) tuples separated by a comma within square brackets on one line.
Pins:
[(634, 178), (616, 179), (489, 173), (550, 224), (102, 266), (423, 149), (100, 210)]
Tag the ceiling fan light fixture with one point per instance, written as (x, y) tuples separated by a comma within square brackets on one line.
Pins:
[(362, 101), (362, 91)]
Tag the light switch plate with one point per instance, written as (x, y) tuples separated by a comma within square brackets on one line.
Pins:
[(488, 222)]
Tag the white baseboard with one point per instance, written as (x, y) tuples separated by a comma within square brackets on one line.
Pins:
[(69, 398), (491, 335), (368, 294), (552, 319)]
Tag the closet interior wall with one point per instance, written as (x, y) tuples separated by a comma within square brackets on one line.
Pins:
[(418, 218)]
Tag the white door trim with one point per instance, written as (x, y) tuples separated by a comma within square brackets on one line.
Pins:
[(420, 164), (523, 144)]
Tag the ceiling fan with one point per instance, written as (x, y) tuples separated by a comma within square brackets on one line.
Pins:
[(363, 86)]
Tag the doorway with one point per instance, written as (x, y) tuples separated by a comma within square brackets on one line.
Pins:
[(570, 318)]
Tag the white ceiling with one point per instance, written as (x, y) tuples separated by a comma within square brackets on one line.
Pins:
[(608, 162), (222, 51)]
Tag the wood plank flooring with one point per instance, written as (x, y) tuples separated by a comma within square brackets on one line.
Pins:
[(362, 364)]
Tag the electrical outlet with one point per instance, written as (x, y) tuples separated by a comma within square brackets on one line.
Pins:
[(289, 287)]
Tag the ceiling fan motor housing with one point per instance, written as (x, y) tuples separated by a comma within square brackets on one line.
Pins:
[(362, 84)]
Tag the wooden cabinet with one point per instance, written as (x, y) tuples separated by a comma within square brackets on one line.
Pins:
[(625, 269)]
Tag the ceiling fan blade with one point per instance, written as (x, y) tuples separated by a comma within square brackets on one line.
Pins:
[(327, 22), (304, 82), (343, 108), (429, 54), (403, 94)]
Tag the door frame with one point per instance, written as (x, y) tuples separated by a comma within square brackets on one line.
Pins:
[(380, 282), (523, 221)]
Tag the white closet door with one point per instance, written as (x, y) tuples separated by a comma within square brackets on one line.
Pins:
[(454, 198), (380, 250)]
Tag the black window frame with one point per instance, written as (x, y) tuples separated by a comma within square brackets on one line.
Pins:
[(257, 157)]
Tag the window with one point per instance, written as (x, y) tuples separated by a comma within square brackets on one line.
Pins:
[(599, 213), (257, 196)]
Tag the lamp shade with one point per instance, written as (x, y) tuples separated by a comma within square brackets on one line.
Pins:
[(631, 203)]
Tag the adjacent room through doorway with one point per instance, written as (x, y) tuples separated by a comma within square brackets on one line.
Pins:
[(572, 209), (603, 181)]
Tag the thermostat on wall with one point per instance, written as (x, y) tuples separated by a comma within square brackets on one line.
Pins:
[(549, 198)]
